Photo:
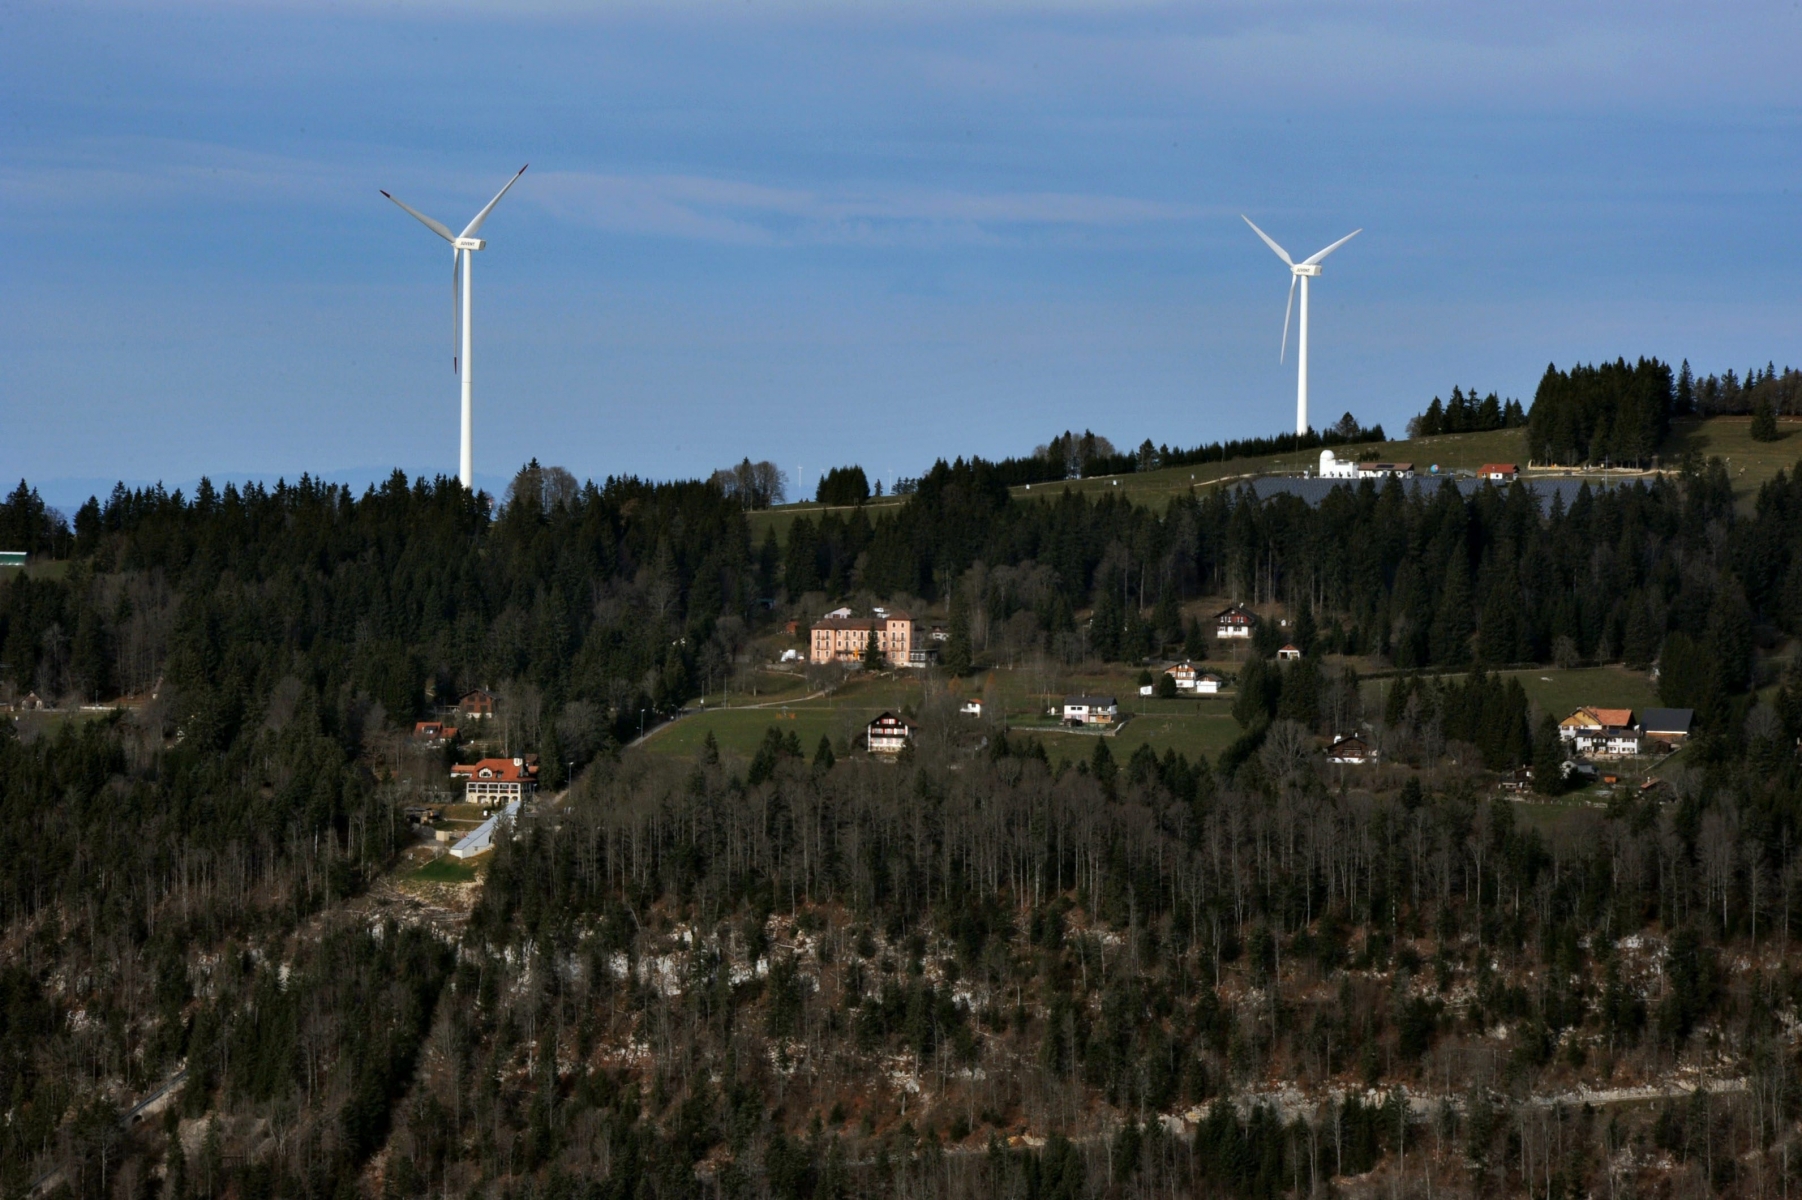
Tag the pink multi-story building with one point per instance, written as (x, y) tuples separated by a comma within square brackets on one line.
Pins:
[(845, 639)]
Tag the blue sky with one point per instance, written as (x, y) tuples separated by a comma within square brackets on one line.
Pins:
[(877, 232)]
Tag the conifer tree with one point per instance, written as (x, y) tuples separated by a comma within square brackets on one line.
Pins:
[(1195, 642), (1548, 759), (957, 655), (1764, 419), (1166, 619), (1449, 641)]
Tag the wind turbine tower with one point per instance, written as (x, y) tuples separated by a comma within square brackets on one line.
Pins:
[(463, 246), (1301, 272)]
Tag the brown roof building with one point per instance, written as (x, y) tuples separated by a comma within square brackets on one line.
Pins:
[(478, 703)]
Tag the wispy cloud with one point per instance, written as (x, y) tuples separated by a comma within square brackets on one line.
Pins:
[(157, 174), (153, 171), (727, 210)]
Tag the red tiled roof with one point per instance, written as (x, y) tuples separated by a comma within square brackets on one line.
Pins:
[(500, 770)]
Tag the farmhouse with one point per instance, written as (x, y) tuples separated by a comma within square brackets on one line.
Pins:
[(1091, 710), (1289, 653), (1352, 751), (970, 708), (1603, 732), (1235, 622), (478, 704), (497, 780), (1191, 678), (1499, 472), (889, 733)]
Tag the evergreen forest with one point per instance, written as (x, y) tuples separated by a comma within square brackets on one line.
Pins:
[(992, 967)]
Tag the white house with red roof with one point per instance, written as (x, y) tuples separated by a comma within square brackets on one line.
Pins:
[(497, 780)]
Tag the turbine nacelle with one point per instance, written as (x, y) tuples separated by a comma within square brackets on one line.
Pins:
[(1308, 270), (468, 243)]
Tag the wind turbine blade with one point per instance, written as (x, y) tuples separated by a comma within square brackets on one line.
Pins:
[(1348, 237), (1283, 354), (1280, 252), (456, 306), (430, 224), (475, 226)]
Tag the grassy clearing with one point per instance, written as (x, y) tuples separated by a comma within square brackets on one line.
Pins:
[(446, 870), (739, 730), (33, 725), (771, 686), (1192, 725), (781, 518), (1563, 692), (1192, 734), (1553, 818), (1560, 692), (1730, 438)]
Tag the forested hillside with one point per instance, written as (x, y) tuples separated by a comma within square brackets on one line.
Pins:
[(983, 970)]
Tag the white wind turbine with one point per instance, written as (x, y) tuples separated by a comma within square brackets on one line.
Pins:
[(463, 245), (1303, 271)]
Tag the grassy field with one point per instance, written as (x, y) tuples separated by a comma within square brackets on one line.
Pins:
[(446, 870), (771, 687), (1561, 692), (1730, 438), (1200, 732), (1191, 725), (781, 518), (738, 730)]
